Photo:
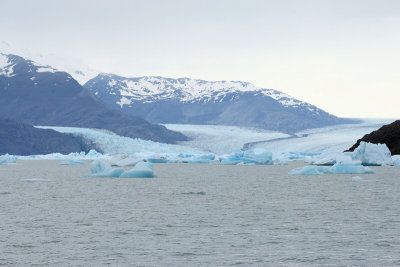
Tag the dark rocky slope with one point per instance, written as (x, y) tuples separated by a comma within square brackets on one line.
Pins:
[(23, 139), (387, 134)]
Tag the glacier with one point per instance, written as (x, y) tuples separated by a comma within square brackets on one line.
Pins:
[(113, 144), (222, 139), (220, 149)]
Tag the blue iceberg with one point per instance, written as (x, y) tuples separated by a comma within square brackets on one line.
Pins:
[(257, 156), (101, 168), (372, 154), (353, 167), (140, 170), (396, 160), (8, 160)]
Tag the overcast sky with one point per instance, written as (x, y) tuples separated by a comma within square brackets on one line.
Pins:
[(343, 56)]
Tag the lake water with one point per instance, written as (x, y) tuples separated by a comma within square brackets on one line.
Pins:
[(191, 215)]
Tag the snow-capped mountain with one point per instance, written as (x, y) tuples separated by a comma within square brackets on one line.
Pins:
[(184, 100), (75, 67), (41, 95)]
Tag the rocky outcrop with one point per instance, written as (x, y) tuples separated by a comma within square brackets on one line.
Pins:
[(387, 134), (23, 139)]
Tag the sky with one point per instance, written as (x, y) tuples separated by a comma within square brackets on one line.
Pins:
[(342, 56)]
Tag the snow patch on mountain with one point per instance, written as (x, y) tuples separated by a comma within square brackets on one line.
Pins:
[(6, 66), (153, 88), (79, 70)]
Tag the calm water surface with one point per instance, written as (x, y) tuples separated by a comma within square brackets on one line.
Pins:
[(191, 215)]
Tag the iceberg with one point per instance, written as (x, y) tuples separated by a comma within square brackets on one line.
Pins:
[(7, 160), (350, 168), (330, 159), (257, 156), (353, 167), (158, 160), (232, 159), (140, 170), (372, 154), (101, 168), (123, 160), (196, 158), (396, 160), (72, 162)]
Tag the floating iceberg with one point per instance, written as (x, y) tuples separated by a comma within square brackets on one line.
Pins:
[(158, 160), (330, 159), (7, 160), (72, 162), (196, 158), (372, 154), (396, 160), (123, 160), (231, 159), (140, 170), (101, 168), (353, 167), (257, 156)]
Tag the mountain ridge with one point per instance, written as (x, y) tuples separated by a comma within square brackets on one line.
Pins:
[(208, 102)]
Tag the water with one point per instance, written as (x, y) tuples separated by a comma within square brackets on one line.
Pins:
[(191, 215)]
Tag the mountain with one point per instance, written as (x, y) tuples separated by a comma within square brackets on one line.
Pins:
[(23, 139), (387, 134), (73, 66), (41, 95), (166, 100)]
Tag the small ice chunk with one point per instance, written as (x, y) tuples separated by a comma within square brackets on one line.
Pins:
[(140, 170), (72, 162), (310, 170)]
